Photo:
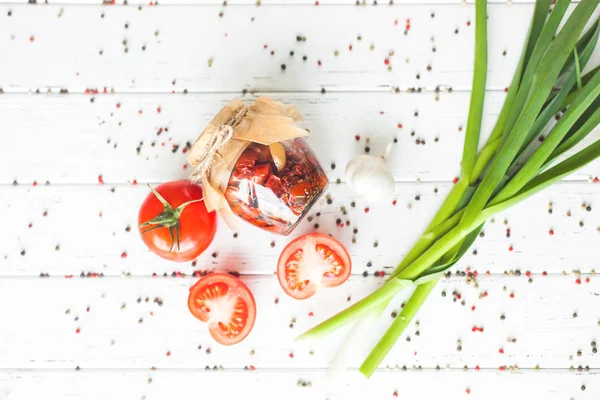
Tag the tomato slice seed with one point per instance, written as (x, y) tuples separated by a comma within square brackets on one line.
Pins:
[(235, 322), (212, 291), (293, 266), (332, 259)]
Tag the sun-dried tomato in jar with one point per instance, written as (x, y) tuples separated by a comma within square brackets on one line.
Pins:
[(253, 162), (271, 198)]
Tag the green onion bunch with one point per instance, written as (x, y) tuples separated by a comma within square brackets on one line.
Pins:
[(514, 164)]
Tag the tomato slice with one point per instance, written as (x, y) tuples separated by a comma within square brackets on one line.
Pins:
[(310, 261), (226, 304)]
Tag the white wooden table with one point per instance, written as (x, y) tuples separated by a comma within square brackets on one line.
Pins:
[(99, 100)]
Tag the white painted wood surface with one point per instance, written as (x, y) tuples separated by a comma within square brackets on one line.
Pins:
[(192, 48), (60, 223), (117, 127)]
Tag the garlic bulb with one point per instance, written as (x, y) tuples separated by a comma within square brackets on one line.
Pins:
[(370, 177)]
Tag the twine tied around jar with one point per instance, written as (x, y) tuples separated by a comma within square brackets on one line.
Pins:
[(217, 140), (217, 149)]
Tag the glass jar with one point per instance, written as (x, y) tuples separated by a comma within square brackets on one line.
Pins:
[(271, 198)]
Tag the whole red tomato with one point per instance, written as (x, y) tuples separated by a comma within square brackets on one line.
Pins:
[(174, 222)]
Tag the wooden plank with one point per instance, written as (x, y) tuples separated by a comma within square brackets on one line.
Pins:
[(275, 385), (81, 140), (233, 3), (88, 242), (193, 48), (88, 139), (46, 325)]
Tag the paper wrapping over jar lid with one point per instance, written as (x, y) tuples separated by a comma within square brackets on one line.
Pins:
[(223, 141)]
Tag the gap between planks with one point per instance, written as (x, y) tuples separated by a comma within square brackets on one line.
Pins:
[(397, 181), (80, 90), (446, 370), (277, 3), (492, 276)]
